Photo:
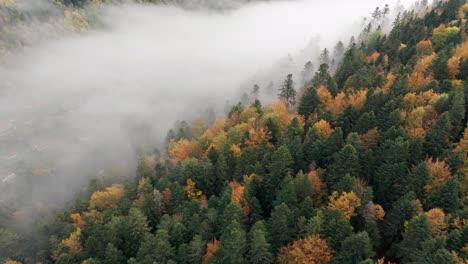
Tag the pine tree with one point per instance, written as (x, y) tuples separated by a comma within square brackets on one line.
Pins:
[(346, 162), (402, 210), (446, 197), (306, 73), (325, 57), (309, 102), (280, 226), (293, 139), (287, 91), (331, 145), (348, 119), (287, 193), (129, 231), (418, 231), (438, 136), (302, 186), (365, 122), (388, 182), (354, 249), (273, 131), (336, 229), (232, 212), (178, 234), (416, 180), (259, 248), (113, 256), (278, 168), (322, 77), (255, 90), (196, 250), (156, 248), (233, 245), (456, 111)]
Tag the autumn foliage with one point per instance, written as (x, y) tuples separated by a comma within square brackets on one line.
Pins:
[(110, 196), (9, 261), (424, 47), (439, 173), (78, 221), (453, 64), (437, 221), (369, 167), (191, 191), (237, 196), (211, 248), (309, 250), (183, 149), (324, 129), (279, 113), (345, 204), (421, 75), (358, 99), (72, 243), (318, 188)]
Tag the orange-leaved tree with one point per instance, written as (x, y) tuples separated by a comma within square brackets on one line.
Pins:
[(345, 204), (309, 250), (211, 248)]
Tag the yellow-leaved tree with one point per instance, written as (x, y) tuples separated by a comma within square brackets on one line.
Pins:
[(439, 173), (73, 243), (324, 129), (78, 220), (437, 221), (191, 191), (183, 149), (453, 64), (311, 250), (345, 204), (110, 196)]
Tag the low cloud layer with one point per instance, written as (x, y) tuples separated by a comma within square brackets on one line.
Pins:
[(76, 105)]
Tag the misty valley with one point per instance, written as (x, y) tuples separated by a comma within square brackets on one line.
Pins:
[(233, 131)]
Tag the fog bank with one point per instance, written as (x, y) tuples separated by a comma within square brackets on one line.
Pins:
[(76, 105)]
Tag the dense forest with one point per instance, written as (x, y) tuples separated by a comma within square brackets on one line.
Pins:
[(365, 164)]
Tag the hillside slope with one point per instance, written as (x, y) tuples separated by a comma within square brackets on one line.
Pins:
[(368, 165)]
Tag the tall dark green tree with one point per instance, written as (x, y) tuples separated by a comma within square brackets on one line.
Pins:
[(446, 196), (438, 136), (128, 231), (418, 247), (233, 245), (156, 248), (280, 226), (336, 229), (287, 193), (293, 139), (196, 250), (113, 255), (287, 91), (456, 111), (279, 168), (354, 249), (402, 210), (346, 162), (259, 248), (309, 102), (322, 77)]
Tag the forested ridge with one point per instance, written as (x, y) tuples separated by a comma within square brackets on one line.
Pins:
[(366, 164)]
